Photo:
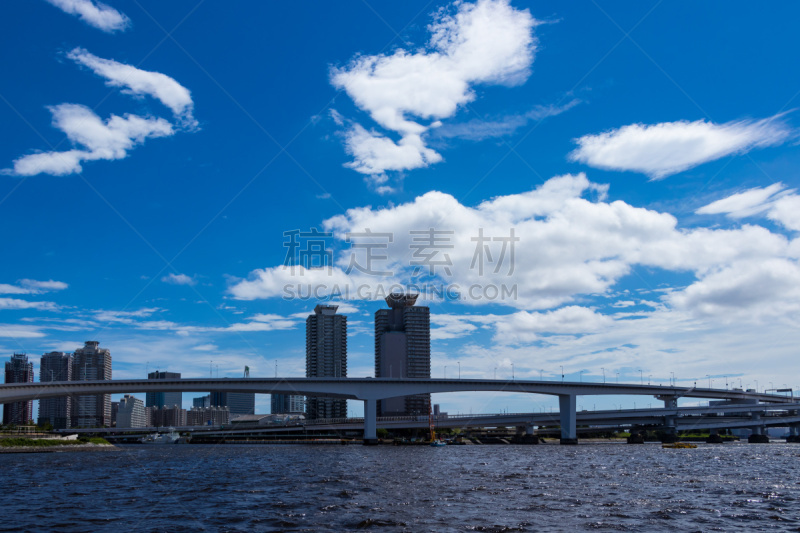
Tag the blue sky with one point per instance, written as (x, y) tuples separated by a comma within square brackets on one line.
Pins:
[(156, 157)]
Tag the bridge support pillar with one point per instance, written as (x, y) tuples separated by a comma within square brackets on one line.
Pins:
[(670, 402), (568, 410), (758, 436), (370, 422), (794, 433)]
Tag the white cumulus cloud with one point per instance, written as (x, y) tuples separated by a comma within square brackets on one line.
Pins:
[(96, 139), (660, 150), (97, 14), (573, 244), (486, 42), (141, 82)]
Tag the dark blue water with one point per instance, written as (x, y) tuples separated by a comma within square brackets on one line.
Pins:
[(731, 487)]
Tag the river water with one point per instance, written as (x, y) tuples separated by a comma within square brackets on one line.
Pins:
[(616, 487)]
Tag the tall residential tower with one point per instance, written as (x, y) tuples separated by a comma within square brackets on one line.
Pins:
[(18, 370), (403, 350), (326, 357), (55, 366), (91, 363)]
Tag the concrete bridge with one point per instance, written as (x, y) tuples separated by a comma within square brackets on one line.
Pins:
[(370, 390)]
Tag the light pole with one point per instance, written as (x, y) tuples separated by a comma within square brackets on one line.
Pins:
[(541, 370), (562, 373), (276, 368), (580, 376), (709, 381), (673, 378), (445, 371), (512, 371), (495, 372), (604, 374), (649, 377), (617, 377), (641, 377), (459, 370)]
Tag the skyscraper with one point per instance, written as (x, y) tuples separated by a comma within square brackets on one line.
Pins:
[(55, 366), (202, 401), (403, 350), (239, 403), (91, 363), (162, 399), (18, 370), (326, 357), (286, 404)]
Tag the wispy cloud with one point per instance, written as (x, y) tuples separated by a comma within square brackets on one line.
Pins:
[(139, 82), (487, 42), (110, 139), (478, 130), (179, 279), (775, 201), (660, 150), (97, 14), (32, 286), (15, 303)]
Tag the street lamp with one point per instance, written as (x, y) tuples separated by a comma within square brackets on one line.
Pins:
[(673, 378), (445, 371), (604, 374), (709, 381), (580, 376), (562, 373), (459, 370), (495, 372), (617, 377), (649, 377), (641, 377), (512, 371)]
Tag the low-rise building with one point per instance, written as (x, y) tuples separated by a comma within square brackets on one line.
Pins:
[(208, 416), (131, 413)]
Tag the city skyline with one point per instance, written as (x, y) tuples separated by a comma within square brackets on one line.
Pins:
[(584, 195)]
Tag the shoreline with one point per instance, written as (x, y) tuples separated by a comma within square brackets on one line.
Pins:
[(89, 447)]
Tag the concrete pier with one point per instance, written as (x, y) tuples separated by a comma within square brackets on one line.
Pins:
[(370, 422), (567, 406)]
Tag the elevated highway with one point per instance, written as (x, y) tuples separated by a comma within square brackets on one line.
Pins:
[(370, 390)]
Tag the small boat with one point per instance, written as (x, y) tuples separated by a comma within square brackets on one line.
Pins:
[(162, 438), (434, 441), (679, 445)]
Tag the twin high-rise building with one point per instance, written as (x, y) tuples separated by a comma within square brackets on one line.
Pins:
[(18, 370), (326, 357), (91, 363), (403, 350), (163, 399), (55, 366)]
